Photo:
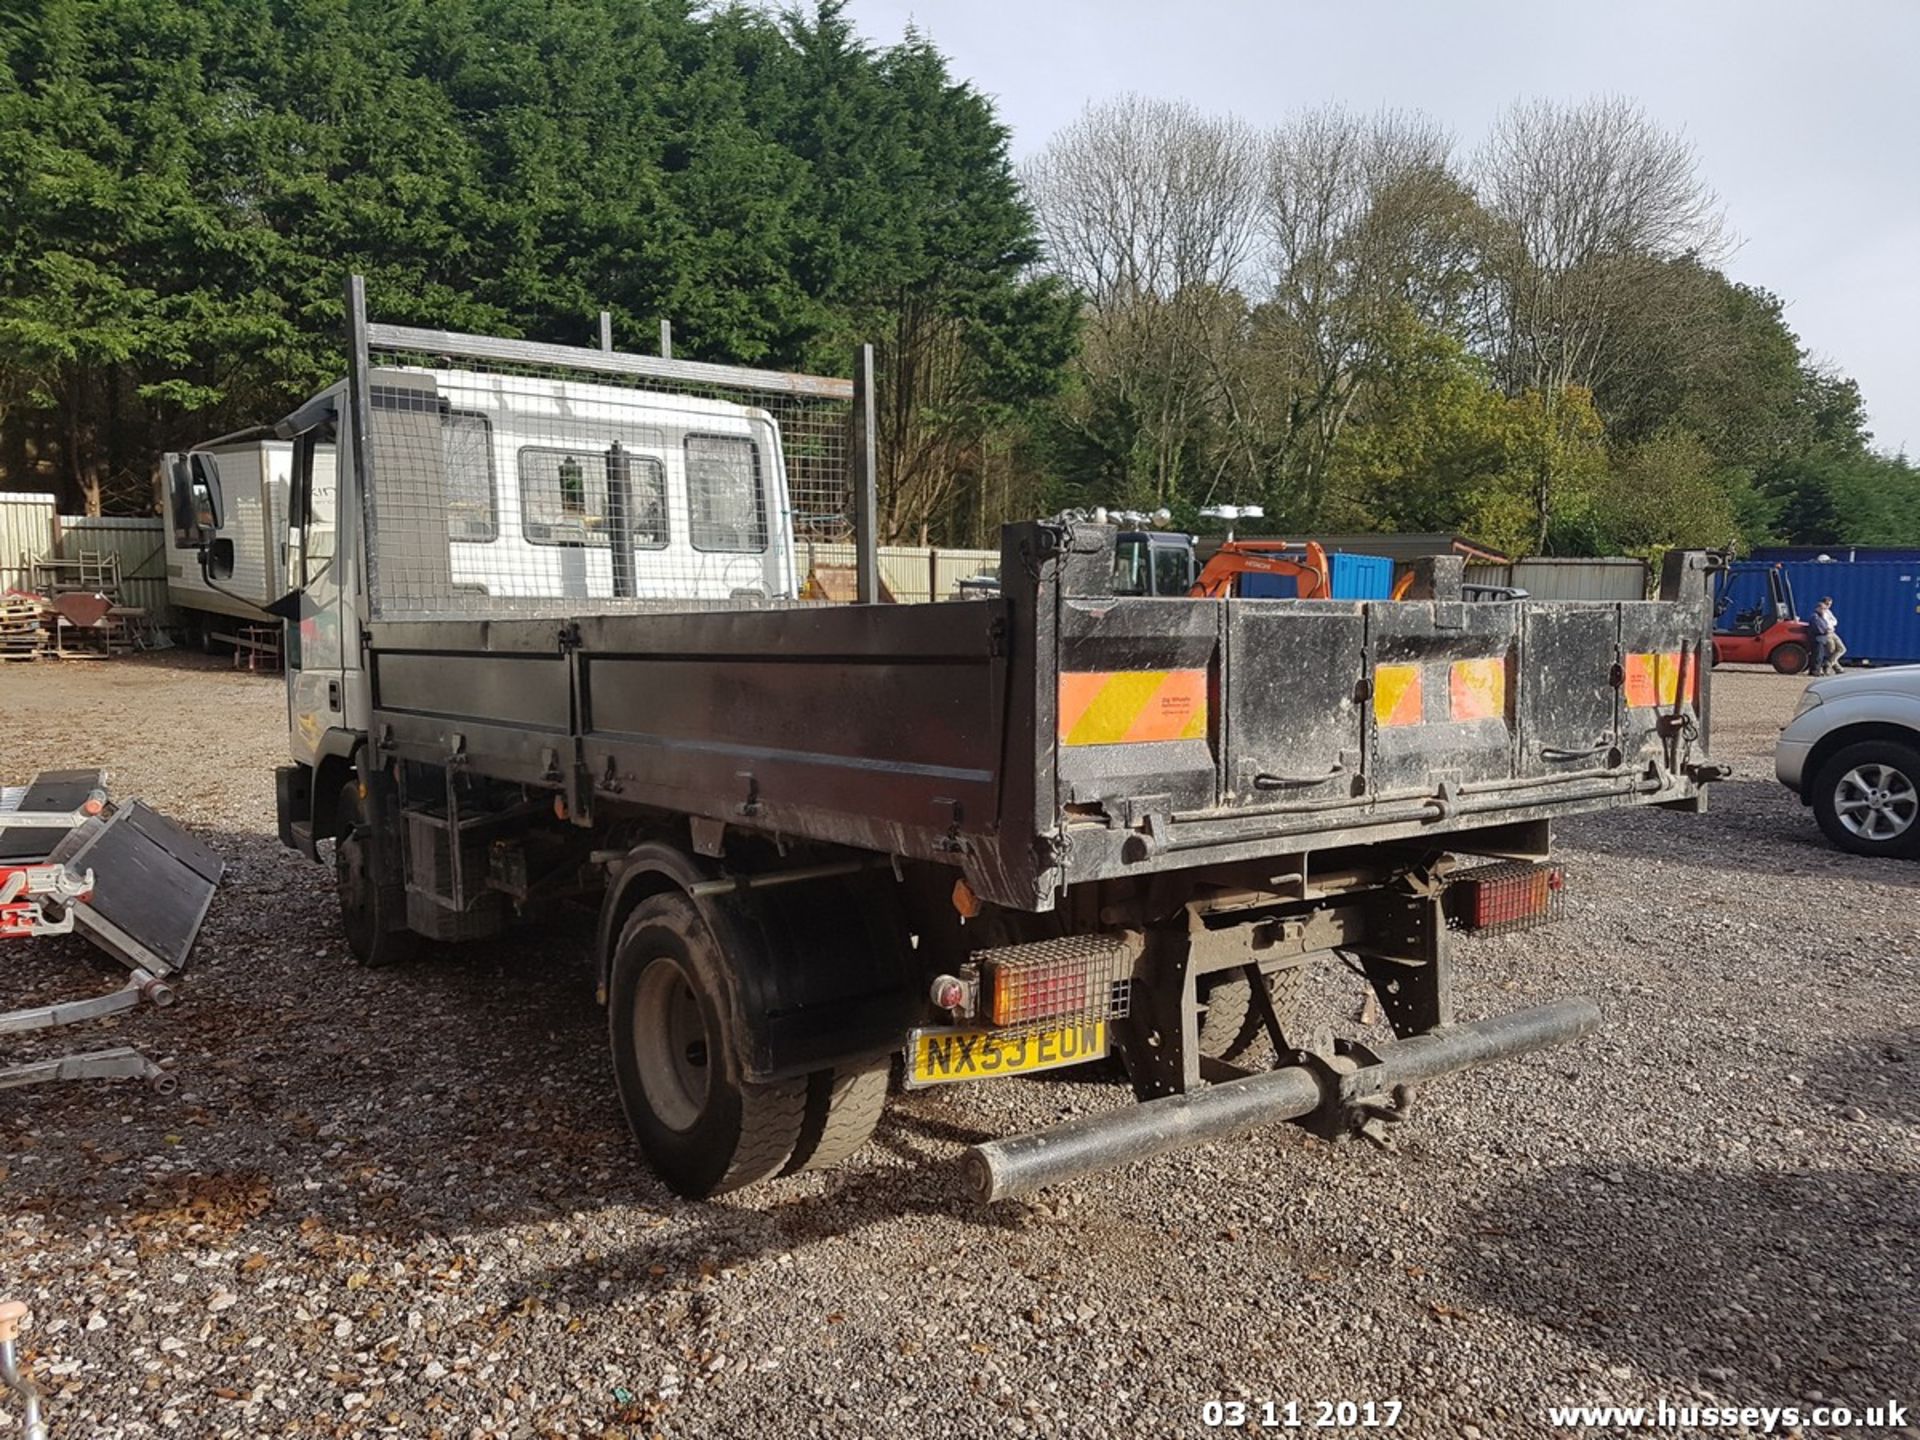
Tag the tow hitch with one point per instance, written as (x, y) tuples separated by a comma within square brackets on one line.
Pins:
[(1344, 1095)]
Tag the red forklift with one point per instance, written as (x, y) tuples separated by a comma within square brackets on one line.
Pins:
[(1764, 628)]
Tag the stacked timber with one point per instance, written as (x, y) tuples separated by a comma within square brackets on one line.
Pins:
[(23, 635)]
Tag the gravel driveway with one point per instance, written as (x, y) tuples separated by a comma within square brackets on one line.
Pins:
[(405, 1203)]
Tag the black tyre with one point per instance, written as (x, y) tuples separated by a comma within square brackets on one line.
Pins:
[(1230, 1023), (1789, 658), (374, 916), (702, 1127), (1867, 798), (843, 1107)]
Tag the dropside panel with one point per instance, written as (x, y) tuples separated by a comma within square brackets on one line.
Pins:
[(1442, 694), (1137, 706), (887, 717), (1296, 710), (1567, 695), (1662, 678)]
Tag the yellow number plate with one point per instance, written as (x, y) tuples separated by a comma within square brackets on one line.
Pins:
[(936, 1056)]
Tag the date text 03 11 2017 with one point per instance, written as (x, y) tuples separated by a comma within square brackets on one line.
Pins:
[(1301, 1414)]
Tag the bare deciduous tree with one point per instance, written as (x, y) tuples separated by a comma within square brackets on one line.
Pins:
[(1364, 224), (1146, 198), (1148, 208), (1587, 203)]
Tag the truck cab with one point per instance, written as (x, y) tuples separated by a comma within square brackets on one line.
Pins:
[(532, 495)]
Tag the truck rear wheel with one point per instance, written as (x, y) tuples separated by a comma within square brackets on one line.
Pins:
[(1231, 1023), (1867, 798), (373, 915), (843, 1107), (1789, 658), (703, 1128)]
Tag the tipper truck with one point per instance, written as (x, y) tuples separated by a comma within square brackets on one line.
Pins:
[(546, 644)]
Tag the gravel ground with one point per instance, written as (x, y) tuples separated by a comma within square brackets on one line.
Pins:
[(405, 1203)]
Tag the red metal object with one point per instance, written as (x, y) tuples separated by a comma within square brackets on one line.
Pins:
[(1785, 645), (24, 889), (82, 609)]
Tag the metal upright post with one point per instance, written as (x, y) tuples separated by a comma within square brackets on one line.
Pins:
[(606, 331), (666, 339), (866, 482), (360, 422)]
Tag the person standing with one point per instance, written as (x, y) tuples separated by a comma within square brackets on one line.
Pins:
[(1826, 634)]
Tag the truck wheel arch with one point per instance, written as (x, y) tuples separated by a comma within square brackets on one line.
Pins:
[(340, 752), (818, 972), (648, 870)]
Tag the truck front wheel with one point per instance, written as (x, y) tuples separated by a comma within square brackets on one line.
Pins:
[(373, 915), (703, 1128), (1789, 657)]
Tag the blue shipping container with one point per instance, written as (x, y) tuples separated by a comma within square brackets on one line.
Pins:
[(1361, 577), (1354, 577), (1877, 603), (1851, 554)]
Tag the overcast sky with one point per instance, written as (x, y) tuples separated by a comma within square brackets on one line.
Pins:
[(1806, 115)]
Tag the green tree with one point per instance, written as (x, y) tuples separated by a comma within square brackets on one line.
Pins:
[(1667, 490), (187, 186), (1428, 451)]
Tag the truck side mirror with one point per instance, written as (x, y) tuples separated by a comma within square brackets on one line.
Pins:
[(193, 493)]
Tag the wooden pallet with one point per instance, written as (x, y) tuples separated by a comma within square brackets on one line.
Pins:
[(23, 636)]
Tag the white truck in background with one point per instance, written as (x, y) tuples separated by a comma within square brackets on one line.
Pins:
[(527, 509), (255, 469)]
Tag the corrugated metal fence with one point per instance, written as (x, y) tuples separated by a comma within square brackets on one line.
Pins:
[(31, 530), (26, 535), (142, 547), (1616, 578)]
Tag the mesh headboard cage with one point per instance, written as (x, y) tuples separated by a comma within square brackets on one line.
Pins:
[(514, 478)]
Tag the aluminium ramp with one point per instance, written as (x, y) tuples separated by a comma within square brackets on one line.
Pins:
[(152, 884)]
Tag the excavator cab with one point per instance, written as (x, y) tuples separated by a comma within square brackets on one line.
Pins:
[(1153, 562)]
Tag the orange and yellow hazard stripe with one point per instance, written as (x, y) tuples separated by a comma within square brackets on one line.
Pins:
[(1122, 707), (1476, 690), (1660, 678)]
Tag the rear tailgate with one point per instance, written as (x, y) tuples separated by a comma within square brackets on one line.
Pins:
[(1187, 731)]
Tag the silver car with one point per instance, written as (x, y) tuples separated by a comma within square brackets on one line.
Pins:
[(1852, 752)]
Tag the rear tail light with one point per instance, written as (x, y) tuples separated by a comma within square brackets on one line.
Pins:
[(1082, 977), (1019, 995), (1496, 899)]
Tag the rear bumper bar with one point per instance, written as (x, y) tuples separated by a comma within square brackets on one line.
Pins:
[(1002, 1169)]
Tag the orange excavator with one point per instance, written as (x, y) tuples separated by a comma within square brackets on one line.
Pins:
[(1305, 560)]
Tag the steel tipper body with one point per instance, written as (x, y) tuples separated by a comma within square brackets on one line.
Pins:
[(989, 838)]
